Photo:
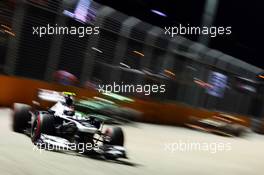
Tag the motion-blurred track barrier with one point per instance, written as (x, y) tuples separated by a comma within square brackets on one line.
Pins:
[(21, 90)]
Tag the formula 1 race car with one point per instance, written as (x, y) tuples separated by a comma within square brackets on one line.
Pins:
[(220, 124), (62, 127)]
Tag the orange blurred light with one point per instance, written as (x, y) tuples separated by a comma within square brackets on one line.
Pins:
[(202, 83), (139, 53), (169, 72), (261, 76), (10, 33), (6, 27)]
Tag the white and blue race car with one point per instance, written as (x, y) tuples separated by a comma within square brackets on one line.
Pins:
[(62, 128)]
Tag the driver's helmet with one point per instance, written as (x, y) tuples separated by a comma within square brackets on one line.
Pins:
[(69, 102), (68, 98)]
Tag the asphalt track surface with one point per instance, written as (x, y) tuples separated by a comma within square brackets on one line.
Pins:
[(147, 150)]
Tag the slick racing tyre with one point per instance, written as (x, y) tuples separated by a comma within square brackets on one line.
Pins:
[(21, 117), (238, 131), (114, 136), (234, 130), (43, 123)]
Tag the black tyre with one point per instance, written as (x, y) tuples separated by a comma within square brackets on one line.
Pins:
[(234, 130), (115, 136), (43, 123), (239, 131), (257, 126), (21, 117)]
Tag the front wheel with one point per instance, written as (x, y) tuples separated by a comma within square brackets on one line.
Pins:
[(43, 123), (114, 136)]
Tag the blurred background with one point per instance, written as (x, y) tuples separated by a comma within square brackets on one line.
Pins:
[(132, 48), (222, 74)]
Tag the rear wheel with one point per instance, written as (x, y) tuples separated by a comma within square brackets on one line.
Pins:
[(21, 117), (42, 124)]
